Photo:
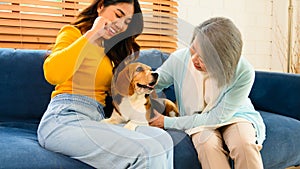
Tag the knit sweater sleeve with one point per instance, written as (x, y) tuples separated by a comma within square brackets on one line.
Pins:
[(66, 55), (230, 100)]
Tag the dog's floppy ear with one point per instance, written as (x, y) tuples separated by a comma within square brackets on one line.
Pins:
[(122, 82)]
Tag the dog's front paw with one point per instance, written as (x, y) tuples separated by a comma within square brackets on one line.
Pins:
[(173, 114), (115, 118), (106, 121), (110, 121), (171, 109), (131, 126)]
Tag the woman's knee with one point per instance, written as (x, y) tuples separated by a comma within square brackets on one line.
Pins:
[(242, 147), (241, 138), (156, 151), (157, 141), (207, 141)]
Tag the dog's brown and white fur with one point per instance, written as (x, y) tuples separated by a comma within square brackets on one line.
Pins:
[(131, 89)]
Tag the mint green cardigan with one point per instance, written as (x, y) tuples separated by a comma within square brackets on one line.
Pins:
[(232, 103)]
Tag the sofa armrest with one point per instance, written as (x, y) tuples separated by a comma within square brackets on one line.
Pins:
[(277, 93)]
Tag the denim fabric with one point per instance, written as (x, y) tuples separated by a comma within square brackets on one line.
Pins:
[(71, 126)]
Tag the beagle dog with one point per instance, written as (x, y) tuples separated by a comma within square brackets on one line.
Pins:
[(133, 105)]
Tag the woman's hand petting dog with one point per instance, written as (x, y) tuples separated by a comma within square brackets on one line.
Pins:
[(157, 120)]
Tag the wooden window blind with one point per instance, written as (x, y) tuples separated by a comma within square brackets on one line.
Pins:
[(34, 24)]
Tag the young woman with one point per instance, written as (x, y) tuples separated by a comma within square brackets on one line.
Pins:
[(81, 66), (212, 83)]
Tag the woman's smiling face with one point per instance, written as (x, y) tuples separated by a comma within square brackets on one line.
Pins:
[(119, 15), (196, 59)]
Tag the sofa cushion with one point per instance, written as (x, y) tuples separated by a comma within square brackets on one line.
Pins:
[(277, 93), (20, 149), (24, 93), (281, 147), (153, 57)]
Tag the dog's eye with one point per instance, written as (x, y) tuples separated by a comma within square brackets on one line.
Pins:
[(139, 69)]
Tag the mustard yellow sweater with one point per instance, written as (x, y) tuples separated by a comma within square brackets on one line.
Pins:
[(76, 66)]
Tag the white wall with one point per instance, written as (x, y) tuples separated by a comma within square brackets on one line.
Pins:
[(263, 24)]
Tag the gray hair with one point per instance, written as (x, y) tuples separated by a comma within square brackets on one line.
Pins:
[(220, 47)]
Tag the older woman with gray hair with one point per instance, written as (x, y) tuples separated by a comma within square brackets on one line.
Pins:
[(212, 82)]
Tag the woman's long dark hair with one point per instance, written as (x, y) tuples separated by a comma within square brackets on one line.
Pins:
[(122, 45)]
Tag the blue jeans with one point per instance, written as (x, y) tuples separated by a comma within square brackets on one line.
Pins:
[(71, 126)]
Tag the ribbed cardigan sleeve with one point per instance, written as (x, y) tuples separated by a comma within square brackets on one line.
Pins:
[(67, 55)]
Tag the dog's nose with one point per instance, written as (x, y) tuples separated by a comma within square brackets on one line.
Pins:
[(155, 75)]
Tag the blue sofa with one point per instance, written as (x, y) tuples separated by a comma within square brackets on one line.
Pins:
[(24, 95)]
